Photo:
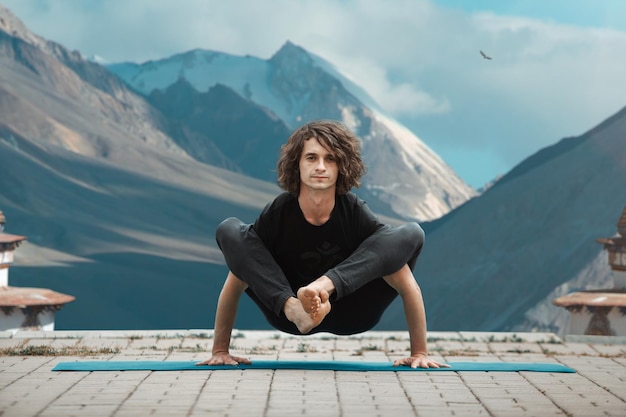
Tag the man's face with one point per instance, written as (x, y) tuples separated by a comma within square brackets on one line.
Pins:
[(318, 167)]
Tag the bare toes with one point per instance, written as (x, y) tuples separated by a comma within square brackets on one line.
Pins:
[(310, 299)]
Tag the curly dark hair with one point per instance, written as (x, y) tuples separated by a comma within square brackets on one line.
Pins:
[(333, 136)]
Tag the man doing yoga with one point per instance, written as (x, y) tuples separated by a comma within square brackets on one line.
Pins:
[(317, 259)]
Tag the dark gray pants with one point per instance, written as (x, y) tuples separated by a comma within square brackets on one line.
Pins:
[(361, 294)]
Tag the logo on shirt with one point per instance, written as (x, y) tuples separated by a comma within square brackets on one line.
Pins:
[(325, 256)]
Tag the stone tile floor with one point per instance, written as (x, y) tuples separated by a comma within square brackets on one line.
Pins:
[(28, 387)]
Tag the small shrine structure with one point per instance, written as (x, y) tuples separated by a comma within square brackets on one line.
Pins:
[(24, 308), (602, 312)]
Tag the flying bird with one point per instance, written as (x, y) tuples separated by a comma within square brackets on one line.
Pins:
[(485, 55)]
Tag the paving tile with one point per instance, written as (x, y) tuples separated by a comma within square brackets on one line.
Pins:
[(516, 347), (570, 349), (611, 350), (9, 343), (33, 334), (29, 388)]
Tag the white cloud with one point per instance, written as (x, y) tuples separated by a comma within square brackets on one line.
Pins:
[(406, 100), (565, 78)]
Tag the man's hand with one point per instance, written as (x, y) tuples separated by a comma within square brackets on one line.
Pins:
[(420, 360), (225, 358)]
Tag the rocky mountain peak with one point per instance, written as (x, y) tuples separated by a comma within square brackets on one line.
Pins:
[(306, 90), (13, 26), (291, 52)]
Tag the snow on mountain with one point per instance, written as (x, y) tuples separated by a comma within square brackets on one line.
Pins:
[(424, 171), (204, 69), (405, 178), (96, 59)]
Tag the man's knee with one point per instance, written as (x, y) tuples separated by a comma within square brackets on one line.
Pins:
[(412, 234), (228, 231)]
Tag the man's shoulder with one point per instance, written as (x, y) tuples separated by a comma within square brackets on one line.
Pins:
[(351, 205), (350, 198), (282, 200)]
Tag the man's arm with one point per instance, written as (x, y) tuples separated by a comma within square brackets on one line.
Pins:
[(224, 321), (404, 282)]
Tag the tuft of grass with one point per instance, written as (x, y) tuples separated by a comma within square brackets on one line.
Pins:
[(518, 350), (261, 350), (44, 350), (514, 338), (548, 352), (198, 348), (305, 347), (369, 347), (201, 335), (553, 341), (461, 352)]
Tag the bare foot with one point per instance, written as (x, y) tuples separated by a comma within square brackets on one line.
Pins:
[(312, 298), (303, 320)]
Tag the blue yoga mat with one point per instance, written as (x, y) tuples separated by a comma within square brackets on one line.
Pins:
[(89, 366)]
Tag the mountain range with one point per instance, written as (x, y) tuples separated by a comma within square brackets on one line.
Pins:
[(119, 174), (406, 178)]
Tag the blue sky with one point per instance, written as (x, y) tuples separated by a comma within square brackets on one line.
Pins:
[(557, 67)]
